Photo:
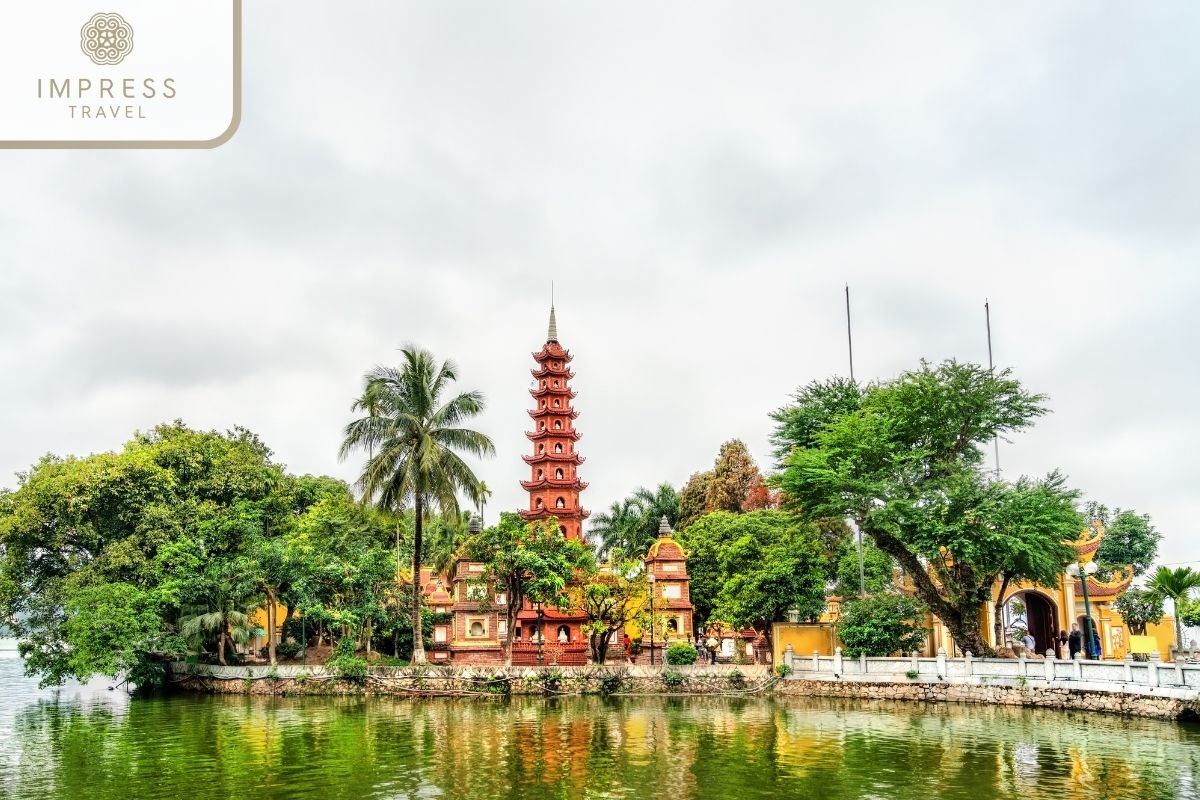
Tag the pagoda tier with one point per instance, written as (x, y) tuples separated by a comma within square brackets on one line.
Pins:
[(553, 412), (548, 391), (544, 372), (546, 353), (545, 433), (559, 513), (562, 458), (554, 442), (554, 483)]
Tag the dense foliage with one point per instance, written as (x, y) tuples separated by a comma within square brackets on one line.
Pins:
[(1176, 583), (905, 465), (881, 624), (682, 654), (631, 525), (611, 597), (733, 480), (1130, 539), (1139, 608), (749, 569), (115, 561)]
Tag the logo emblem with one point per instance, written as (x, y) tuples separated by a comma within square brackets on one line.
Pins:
[(106, 38)]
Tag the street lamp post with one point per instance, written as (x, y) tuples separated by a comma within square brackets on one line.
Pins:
[(1082, 572), (650, 579)]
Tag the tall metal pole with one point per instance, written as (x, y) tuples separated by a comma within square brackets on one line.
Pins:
[(987, 312), (651, 582), (1087, 610), (849, 338), (541, 632)]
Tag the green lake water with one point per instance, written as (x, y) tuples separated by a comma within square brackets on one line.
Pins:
[(90, 743)]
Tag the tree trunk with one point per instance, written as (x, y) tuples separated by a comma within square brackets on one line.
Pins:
[(271, 625), (1178, 629), (221, 642), (418, 654), (998, 631)]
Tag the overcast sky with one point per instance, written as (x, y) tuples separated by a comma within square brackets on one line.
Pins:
[(699, 179)]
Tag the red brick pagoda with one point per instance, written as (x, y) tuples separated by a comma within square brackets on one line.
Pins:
[(554, 484)]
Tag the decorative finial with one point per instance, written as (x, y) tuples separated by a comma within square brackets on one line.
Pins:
[(552, 334), (476, 524), (664, 527)]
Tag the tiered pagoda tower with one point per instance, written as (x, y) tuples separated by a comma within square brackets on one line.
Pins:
[(554, 483)]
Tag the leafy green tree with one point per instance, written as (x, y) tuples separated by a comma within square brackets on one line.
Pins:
[(611, 597), (813, 406), (114, 629), (1139, 608), (413, 441), (878, 569), (1176, 584), (1188, 612), (881, 624), (771, 563), (528, 561), (1130, 539), (906, 466), (693, 498), (733, 475)]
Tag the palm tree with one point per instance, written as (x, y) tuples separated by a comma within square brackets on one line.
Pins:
[(226, 623), (1176, 584), (411, 438), (615, 527)]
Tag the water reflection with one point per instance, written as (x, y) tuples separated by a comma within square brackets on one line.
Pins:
[(85, 742)]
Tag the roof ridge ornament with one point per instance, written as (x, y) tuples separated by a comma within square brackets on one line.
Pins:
[(664, 527)]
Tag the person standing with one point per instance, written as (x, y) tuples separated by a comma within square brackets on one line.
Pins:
[(711, 644), (1075, 640), (1059, 644), (1030, 644), (1094, 651)]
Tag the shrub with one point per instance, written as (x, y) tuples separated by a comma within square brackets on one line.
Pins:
[(302, 678), (288, 649), (736, 679), (635, 646), (681, 654), (881, 624), (673, 680), (550, 680), (345, 664), (912, 674), (783, 670), (613, 681)]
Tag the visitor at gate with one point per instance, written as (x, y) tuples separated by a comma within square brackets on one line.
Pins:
[(1030, 643), (711, 644), (1094, 648), (1060, 643), (1075, 640)]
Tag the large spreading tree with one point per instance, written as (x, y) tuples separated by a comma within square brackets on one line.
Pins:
[(906, 464), (413, 439), (527, 561)]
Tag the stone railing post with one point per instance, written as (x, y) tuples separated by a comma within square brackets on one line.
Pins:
[(1152, 668), (1021, 670), (789, 655), (916, 666), (862, 663), (816, 660), (941, 662), (1049, 664), (1077, 672), (1128, 664), (969, 663), (837, 662), (1179, 668)]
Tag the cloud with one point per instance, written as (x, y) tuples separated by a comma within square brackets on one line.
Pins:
[(699, 183)]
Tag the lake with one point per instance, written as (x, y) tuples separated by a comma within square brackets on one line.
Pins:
[(88, 742)]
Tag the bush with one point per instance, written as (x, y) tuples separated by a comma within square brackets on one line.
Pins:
[(613, 681), (881, 624), (736, 679), (912, 674), (345, 664), (635, 646), (288, 649), (681, 654), (550, 680), (673, 680), (783, 670)]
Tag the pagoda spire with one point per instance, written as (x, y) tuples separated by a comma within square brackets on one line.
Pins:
[(552, 332)]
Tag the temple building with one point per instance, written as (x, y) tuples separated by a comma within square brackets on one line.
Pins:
[(469, 626)]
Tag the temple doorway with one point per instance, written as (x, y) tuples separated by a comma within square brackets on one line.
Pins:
[(1032, 613)]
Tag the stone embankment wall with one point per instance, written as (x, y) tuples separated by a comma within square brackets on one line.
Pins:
[(433, 681), (1168, 704)]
